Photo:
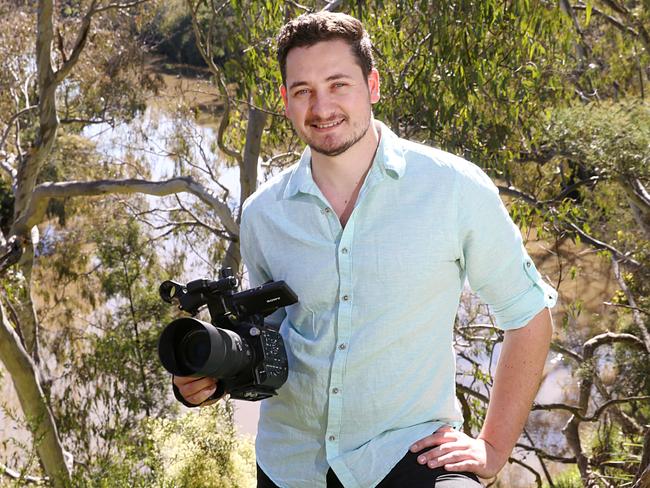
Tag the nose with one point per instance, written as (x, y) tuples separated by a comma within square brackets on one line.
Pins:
[(321, 104)]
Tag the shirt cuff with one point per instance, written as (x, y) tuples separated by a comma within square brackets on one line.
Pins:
[(519, 310)]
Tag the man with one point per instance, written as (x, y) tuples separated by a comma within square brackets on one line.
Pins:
[(376, 236)]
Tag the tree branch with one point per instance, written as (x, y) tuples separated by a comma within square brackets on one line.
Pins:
[(538, 477), (206, 53), (637, 192), (11, 253), (333, 5), (636, 315), (642, 478), (589, 181), (612, 20), (632, 19), (79, 44), (601, 245), (11, 121), (120, 5), (575, 410), (514, 192), (560, 348), (44, 192), (545, 455), (620, 305), (614, 401), (16, 475), (473, 393)]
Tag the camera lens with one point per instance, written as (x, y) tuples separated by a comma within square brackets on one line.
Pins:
[(189, 347), (195, 348)]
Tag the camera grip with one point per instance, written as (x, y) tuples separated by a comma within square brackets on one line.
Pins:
[(217, 395)]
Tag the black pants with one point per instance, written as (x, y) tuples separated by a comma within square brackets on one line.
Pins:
[(407, 473)]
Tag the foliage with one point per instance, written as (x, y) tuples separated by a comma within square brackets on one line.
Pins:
[(551, 102), (610, 138), (197, 449), (570, 478), (200, 449), (169, 32)]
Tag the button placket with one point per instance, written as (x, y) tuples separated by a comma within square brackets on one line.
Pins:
[(343, 331)]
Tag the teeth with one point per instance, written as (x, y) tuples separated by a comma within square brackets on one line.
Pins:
[(326, 126)]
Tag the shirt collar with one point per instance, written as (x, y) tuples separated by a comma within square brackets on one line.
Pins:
[(389, 160)]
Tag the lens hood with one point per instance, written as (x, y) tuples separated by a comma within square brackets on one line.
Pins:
[(190, 347)]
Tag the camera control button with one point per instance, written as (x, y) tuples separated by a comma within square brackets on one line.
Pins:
[(342, 346)]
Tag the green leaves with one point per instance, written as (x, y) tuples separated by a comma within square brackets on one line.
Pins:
[(589, 7)]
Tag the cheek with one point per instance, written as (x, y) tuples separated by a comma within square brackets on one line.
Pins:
[(292, 113)]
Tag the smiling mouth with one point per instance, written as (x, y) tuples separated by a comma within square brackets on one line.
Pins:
[(328, 125)]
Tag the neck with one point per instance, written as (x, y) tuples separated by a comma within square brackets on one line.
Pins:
[(345, 170)]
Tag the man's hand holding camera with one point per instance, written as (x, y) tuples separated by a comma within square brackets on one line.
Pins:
[(195, 390), (237, 348)]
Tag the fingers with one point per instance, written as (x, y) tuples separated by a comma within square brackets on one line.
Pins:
[(195, 390), (450, 448), (442, 435), (458, 454), (442, 452)]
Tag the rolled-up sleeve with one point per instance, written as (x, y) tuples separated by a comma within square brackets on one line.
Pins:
[(493, 256)]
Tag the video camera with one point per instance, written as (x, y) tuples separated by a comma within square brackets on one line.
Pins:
[(237, 348)]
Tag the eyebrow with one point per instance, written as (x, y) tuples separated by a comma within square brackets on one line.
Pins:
[(336, 76)]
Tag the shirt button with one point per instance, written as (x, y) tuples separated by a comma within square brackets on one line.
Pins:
[(528, 264), (335, 390), (332, 438), (344, 250), (345, 298), (326, 210), (342, 346)]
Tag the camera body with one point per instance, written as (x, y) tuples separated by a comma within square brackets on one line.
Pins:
[(246, 356)]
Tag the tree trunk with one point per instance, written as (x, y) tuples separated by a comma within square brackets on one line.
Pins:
[(643, 474), (248, 171), (247, 177), (32, 400), (26, 311)]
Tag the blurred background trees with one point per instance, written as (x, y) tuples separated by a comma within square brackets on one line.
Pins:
[(131, 132)]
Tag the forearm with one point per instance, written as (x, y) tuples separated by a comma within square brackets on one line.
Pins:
[(516, 382)]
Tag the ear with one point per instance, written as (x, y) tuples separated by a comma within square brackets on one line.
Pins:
[(373, 85), (283, 92)]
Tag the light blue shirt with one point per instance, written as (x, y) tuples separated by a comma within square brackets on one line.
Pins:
[(371, 361)]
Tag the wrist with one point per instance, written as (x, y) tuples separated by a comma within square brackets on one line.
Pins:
[(496, 456)]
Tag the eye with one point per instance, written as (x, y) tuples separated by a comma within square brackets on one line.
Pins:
[(339, 84), (302, 91)]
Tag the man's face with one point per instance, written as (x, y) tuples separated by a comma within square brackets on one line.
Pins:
[(326, 96)]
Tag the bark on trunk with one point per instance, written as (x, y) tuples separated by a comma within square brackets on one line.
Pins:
[(32, 400), (26, 310), (247, 177)]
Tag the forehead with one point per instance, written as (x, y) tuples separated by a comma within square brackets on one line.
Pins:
[(320, 60)]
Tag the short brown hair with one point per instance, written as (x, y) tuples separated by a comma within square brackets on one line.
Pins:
[(309, 29)]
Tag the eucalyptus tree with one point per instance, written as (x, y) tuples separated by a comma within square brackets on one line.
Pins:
[(42, 91)]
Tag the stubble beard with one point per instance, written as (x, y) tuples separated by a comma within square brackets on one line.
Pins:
[(341, 148)]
